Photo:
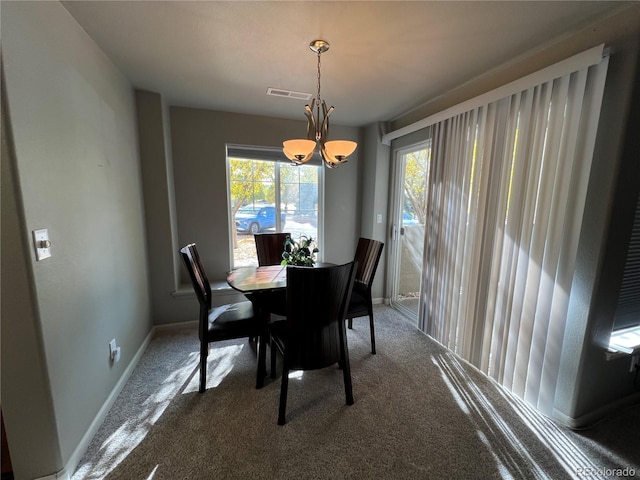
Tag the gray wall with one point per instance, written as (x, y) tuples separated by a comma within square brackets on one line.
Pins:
[(157, 180), (591, 382), (75, 160), (23, 361), (376, 175), (198, 166)]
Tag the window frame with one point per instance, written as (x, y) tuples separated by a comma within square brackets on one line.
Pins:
[(271, 154)]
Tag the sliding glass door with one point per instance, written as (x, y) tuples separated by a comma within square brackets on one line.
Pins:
[(409, 211)]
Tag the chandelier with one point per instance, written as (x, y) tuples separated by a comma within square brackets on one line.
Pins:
[(333, 152)]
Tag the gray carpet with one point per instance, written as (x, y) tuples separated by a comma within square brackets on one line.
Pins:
[(419, 413)]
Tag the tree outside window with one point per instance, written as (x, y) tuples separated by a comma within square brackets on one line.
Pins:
[(268, 196)]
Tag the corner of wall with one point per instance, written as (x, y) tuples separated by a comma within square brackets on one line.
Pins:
[(27, 403)]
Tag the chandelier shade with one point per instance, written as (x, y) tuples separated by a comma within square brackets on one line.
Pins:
[(300, 150), (333, 152), (339, 150)]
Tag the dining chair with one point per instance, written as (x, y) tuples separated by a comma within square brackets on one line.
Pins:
[(313, 335), (367, 255), (269, 247), (226, 322)]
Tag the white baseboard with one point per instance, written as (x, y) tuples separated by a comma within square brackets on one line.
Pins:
[(590, 418), (82, 447), (169, 327), (61, 475)]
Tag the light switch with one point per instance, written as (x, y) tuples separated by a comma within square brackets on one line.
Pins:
[(42, 244), (379, 218)]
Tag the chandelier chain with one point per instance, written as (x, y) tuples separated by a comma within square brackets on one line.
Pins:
[(318, 77)]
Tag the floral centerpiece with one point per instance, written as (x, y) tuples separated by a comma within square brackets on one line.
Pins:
[(301, 253)]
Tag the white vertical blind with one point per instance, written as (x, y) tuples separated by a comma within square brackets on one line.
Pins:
[(506, 201)]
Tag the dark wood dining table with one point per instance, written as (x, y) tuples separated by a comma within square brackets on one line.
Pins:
[(258, 284)]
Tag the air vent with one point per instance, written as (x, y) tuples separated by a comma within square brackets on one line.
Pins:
[(280, 92)]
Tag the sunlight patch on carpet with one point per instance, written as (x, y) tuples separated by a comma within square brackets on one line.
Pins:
[(134, 429), (296, 374), (504, 441), (461, 403), (220, 363), (559, 445), (153, 473)]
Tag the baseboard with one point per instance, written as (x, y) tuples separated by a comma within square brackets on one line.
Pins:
[(172, 327), (62, 475), (82, 447), (590, 418)]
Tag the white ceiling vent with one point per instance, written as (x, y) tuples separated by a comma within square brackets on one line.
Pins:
[(281, 92)]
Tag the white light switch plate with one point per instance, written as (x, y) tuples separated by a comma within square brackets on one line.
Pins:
[(41, 244)]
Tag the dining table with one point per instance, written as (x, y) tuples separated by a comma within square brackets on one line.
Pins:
[(258, 284), (253, 279)]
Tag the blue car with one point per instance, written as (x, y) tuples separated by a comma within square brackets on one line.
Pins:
[(256, 219), (407, 219)]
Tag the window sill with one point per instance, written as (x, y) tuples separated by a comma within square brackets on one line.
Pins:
[(625, 342)]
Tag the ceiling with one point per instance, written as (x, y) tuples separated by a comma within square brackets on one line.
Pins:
[(385, 57)]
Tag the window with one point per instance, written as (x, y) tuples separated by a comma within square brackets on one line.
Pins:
[(626, 326), (270, 195)]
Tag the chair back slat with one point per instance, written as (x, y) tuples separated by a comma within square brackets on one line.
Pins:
[(367, 255), (269, 247), (317, 298), (201, 284)]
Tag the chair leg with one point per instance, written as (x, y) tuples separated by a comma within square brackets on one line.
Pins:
[(346, 368), (204, 353), (348, 388), (273, 348), (373, 334), (262, 359), (284, 387), (350, 324)]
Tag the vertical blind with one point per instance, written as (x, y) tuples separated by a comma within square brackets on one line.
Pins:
[(506, 198)]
